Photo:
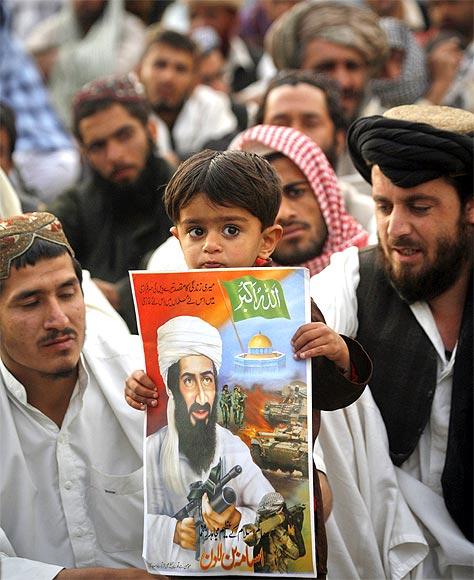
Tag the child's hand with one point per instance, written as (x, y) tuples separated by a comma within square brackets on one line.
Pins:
[(317, 339), (140, 391)]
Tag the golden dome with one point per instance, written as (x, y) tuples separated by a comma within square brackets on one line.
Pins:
[(260, 341)]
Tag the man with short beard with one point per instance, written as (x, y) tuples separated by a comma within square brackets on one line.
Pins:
[(187, 113), (115, 216), (409, 303), (191, 444)]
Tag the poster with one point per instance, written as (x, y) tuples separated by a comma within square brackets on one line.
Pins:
[(228, 454)]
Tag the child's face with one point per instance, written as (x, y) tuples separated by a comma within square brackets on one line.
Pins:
[(216, 236)]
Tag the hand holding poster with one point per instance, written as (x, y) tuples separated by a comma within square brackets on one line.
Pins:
[(227, 465)]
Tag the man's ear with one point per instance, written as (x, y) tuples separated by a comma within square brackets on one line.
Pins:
[(469, 210), (174, 232), (269, 239)]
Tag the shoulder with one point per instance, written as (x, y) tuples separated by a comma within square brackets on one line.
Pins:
[(207, 96), (123, 350), (167, 257)]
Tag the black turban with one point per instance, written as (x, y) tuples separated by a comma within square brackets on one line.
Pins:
[(408, 152)]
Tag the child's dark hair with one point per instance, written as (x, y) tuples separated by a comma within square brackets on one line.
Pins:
[(227, 178)]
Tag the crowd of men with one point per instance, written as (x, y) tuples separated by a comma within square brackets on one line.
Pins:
[(365, 110)]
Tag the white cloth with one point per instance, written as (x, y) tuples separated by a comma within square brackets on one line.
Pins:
[(183, 336), (371, 531), (161, 504), (168, 257), (334, 290), (113, 45), (9, 202), (206, 115), (73, 496), (360, 206), (101, 317), (49, 173)]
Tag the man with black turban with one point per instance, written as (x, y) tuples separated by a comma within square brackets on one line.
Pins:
[(408, 301)]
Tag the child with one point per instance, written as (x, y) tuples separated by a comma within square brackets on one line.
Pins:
[(223, 206)]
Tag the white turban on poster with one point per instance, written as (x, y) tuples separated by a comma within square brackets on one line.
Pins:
[(185, 336)]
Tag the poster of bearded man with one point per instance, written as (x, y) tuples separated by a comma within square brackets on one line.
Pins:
[(209, 478)]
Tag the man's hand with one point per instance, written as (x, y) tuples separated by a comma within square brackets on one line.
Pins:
[(105, 574), (140, 391), (228, 519), (317, 339), (185, 534), (443, 61)]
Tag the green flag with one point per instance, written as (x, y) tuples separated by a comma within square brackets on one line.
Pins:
[(252, 297)]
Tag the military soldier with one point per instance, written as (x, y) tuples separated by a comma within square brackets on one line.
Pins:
[(225, 404)]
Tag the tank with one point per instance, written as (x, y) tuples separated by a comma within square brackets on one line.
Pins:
[(285, 449), (292, 407)]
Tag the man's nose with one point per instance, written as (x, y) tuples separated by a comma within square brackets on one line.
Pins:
[(201, 396), (287, 211), (342, 76), (55, 317), (114, 151), (398, 223)]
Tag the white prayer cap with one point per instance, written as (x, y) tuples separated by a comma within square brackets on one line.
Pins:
[(184, 336)]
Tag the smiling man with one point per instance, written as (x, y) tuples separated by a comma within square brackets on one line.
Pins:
[(192, 443), (115, 215), (408, 301), (71, 478)]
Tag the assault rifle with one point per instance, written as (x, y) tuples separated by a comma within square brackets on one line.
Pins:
[(220, 497)]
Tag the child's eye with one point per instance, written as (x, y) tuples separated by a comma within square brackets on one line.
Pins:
[(231, 230), (195, 232)]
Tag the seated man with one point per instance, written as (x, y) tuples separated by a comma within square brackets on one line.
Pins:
[(115, 216), (71, 451), (188, 114)]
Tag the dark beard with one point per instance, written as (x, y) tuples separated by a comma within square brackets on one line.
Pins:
[(440, 276), (138, 193), (196, 442), (292, 256)]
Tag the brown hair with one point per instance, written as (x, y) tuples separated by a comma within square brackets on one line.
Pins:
[(227, 178)]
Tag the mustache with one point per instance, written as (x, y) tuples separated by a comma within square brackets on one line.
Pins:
[(55, 334), (117, 168), (404, 242), (197, 408)]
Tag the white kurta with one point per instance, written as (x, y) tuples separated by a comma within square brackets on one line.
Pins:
[(73, 496), (451, 555), (206, 115), (250, 486)]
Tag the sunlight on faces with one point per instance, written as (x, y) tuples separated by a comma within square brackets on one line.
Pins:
[(116, 144), (42, 320), (216, 236), (342, 64), (304, 229), (424, 237), (304, 107), (168, 76)]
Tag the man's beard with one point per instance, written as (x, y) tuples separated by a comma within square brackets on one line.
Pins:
[(292, 254), (433, 280), (163, 107), (136, 192), (196, 442)]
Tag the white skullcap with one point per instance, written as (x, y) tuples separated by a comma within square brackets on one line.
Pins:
[(184, 336)]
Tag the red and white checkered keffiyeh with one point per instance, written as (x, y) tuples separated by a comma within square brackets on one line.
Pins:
[(343, 230)]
